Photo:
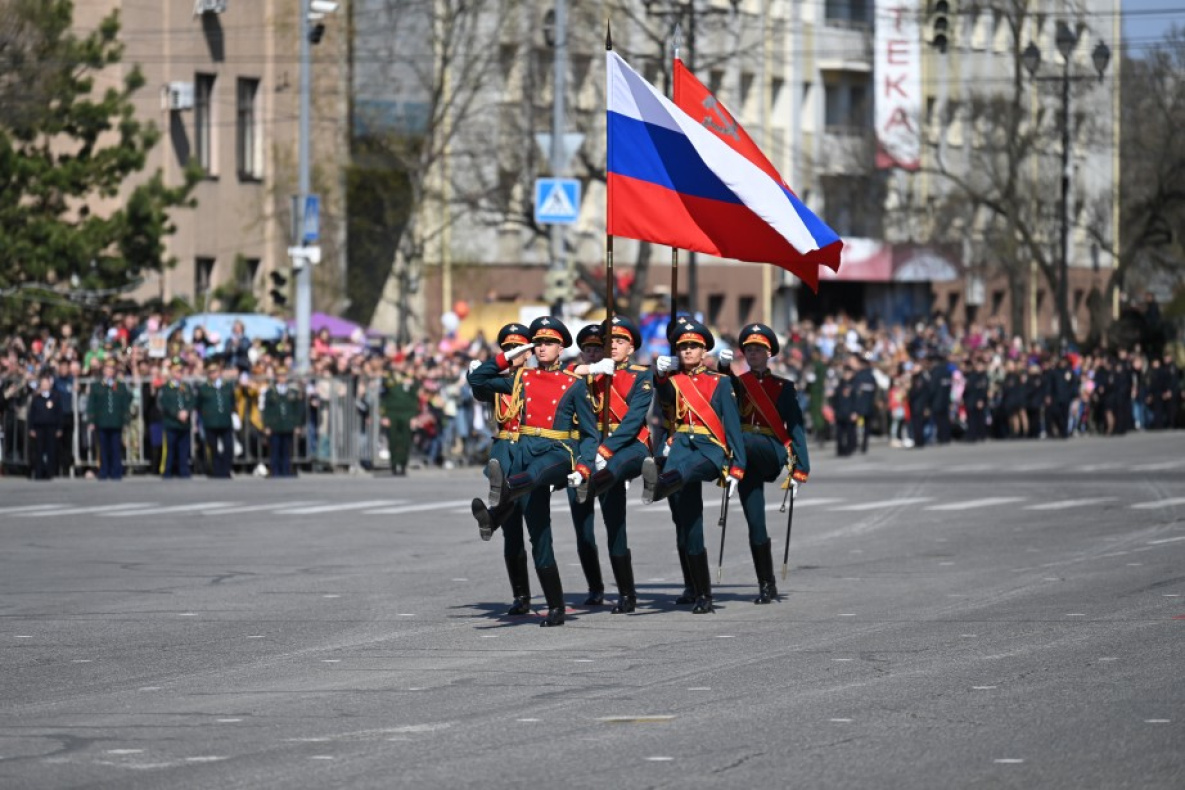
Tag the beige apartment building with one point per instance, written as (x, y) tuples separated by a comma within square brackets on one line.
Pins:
[(222, 86)]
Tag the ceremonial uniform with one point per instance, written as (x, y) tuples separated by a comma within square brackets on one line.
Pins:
[(705, 443), (507, 409), (975, 401), (109, 405), (591, 337), (283, 416), (920, 397), (557, 437), (844, 404), (625, 445), (398, 405), (176, 401), (941, 384), (865, 401), (215, 403), (1064, 386), (774, 438)]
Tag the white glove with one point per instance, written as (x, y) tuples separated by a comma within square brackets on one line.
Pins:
[(793, 488), (518, 351), (724, 358), (474, 365), (663, 364), (605, 367), (600, 463), (575, 479), (732, 484)]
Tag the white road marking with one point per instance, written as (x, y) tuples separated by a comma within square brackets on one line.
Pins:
[(882, 504), (80, 661), (395, 511), (321, 757), (187, 614), (1170, 595), (23, 636), (983, 688), (843, 659), (309, 511), (972, 504), (229, 721), (660, 759), (1109, 658), (405, 614), (1165, 540), (1160, 503), (700, 688), (1075, 614), (1066, 504), (848, 614), (25, 508), (1158, 466), (800, 503), (210, 758), (331, 595), (1158, 721), (725, 636), (227, 511), (125, 751), (74, 511), (164, 510), (583, 660), (1008, 761), (255, 636), (149, 688), (840, 721)]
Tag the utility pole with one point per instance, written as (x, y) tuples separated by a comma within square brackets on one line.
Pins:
[(304, 274), (558, 264)]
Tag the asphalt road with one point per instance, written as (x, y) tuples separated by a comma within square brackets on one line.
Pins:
[(1010, 615)]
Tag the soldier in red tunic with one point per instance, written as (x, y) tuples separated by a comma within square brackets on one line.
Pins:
[(771, 421), (509, 516), (625, 446), (704, 444), (558, 439)]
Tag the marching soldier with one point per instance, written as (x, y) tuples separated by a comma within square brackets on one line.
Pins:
[(774, 436), (283, 419), (557, 443), (591, 342), (704, 444), (507, 410), (623, 449), (215, 403), (45, 428), (399, 403), (109, 407), (176, 406)]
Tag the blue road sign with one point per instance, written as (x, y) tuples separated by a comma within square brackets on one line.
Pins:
[(557, 201), (310, 231)]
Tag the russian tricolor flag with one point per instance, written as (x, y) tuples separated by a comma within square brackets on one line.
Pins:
[(674, 182)]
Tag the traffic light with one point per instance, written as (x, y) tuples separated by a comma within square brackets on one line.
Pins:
[(279, 289), (939, 25)]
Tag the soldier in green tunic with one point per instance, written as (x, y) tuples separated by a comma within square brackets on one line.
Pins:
[(283, 418), (216, 405), (400, 402), (109, 406), (176, 407)]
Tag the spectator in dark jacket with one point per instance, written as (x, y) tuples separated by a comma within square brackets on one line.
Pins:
[(45, 429)]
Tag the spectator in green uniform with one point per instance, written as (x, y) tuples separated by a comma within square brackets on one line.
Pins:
[(216, 406), (283, 419), (400, 402), (109, 407), (176, 406)]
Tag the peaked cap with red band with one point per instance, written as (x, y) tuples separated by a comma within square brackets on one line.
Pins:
[(591, 335), (759, 334), (513, 334), (689, 331), (550, 328), (623, 327)]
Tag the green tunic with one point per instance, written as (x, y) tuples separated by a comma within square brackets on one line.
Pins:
[(216, 405), (109, 405), (400, 402), (283, 412), (175, 398)]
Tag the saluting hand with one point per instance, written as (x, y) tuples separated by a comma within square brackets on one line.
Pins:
[(664, 364), (724, 358), (518, 351), (475, 364)]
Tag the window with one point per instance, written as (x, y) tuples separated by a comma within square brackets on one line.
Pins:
[(248, 148), (997, 302), (745, 309), (715, 305), (204, 123), (203, 273), (847, 102), (249, 273)]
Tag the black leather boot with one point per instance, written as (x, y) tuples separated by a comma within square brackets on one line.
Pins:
[(763, 563), (649, 480), (553, 590), (701, 573), (623, 572), (520, 585), (658, 485), (688, 595), (590, 562), (489, 519), (594, 486), (497, 477)]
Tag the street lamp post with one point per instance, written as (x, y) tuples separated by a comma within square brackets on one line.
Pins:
[(1066, 39)]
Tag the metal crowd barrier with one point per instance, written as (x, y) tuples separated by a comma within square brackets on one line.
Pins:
[(342, 431)]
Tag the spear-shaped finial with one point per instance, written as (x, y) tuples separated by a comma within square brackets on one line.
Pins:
[(608, 36)]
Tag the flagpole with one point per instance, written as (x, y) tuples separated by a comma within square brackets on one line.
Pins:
[(610, 296), (676, 43)]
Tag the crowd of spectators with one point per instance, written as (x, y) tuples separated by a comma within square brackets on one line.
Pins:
[(933, 382)]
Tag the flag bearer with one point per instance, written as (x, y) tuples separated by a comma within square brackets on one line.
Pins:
[(772, 424), (623, 449), (704, 443), (558, 440), (591, 342)]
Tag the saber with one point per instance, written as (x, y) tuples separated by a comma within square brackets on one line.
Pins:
[(789, 524), (723, 524)]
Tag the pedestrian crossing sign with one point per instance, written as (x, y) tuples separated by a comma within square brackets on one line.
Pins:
[(557, 201)]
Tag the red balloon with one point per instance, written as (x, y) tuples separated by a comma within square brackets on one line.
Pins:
[(461, 308)]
